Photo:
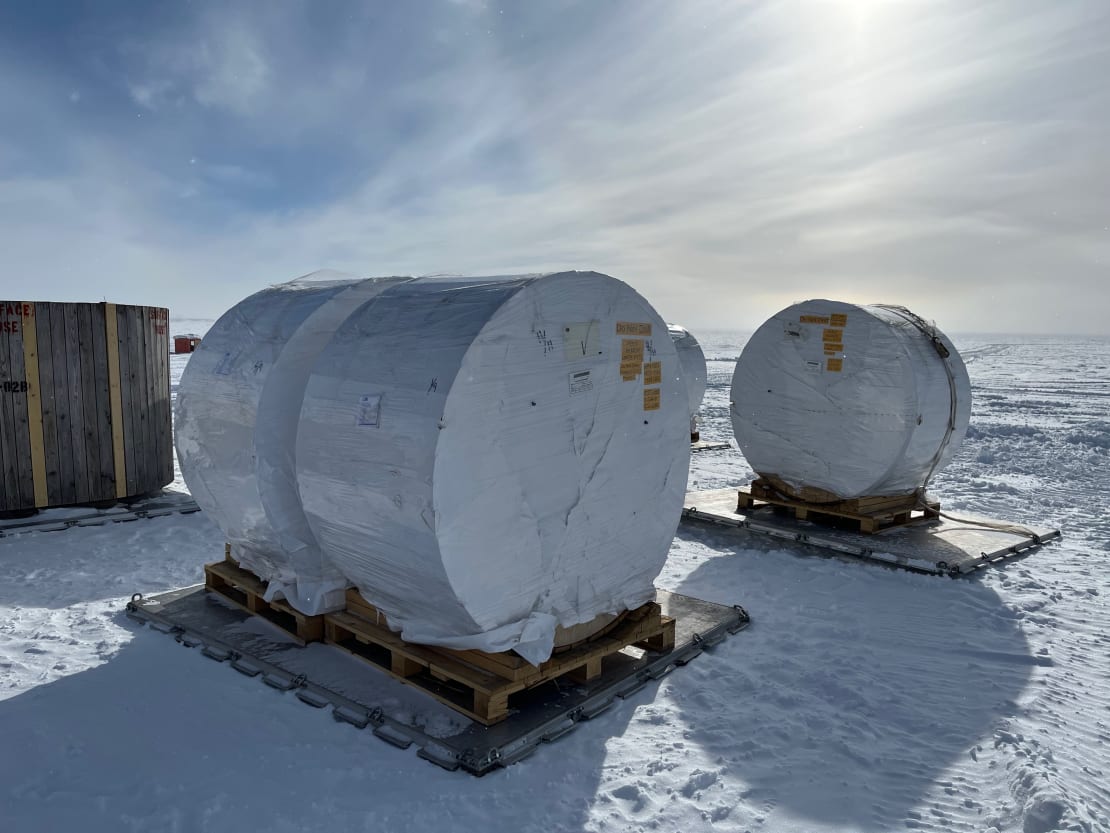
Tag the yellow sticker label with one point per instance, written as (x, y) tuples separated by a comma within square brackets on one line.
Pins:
[(813, 319), (835, 336), (651, 399), (831, 349), (630, 370), (653, 373), (633, 328), (632, 350), (839, 319), (834, 365)]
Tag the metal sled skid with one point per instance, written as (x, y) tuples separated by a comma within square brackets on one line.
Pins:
[(940, 546), (53, 520), (709, 445), (322, 675)]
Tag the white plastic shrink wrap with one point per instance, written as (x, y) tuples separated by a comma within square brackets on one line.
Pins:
[(837, 401), (691, 361), (238, 405), (489, 458)]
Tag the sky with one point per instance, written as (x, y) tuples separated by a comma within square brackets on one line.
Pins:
[(726, 159)]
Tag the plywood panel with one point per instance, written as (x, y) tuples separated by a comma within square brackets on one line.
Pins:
[(9, 393), (106, 473), (48, 404), (75, 410), (90, 433)]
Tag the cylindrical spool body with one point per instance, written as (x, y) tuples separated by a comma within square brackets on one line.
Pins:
[(488, 458), (691, 361), (238, 405), (836, 401)]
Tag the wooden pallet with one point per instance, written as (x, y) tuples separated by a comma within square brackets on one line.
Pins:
[(864, 514), (245, 590), (477, 683)]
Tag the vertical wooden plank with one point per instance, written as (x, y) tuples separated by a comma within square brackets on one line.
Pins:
[(9, 393), (145, 380), (161, 396), (22, 407), (75, 409), (135, 447), (106, 490), (47, 432), (90, 437), (167, 406), (62, 420), (159, 393), (112, 338)]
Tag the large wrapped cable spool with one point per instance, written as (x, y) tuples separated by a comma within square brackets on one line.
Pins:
[(487, 459), (238, 406), (834, 401), (691, 361)]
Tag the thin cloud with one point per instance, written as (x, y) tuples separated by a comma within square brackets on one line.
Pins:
[(727, 160)]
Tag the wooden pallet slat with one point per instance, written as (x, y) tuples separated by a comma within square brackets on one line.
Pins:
[(481, 690), (868, 514), (246, 591)]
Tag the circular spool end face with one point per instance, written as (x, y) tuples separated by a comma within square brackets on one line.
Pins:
[(825, 397), (562, 465), (217, 409)]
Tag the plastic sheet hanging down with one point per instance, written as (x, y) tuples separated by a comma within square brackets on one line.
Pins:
[(489, 458), (834, 400), (691, 362), (238, 405)]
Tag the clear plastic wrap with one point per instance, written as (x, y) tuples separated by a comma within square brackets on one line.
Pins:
[(489, 458), (238, 405), (691, 361), (835, 401)]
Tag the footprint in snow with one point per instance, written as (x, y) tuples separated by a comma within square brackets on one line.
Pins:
[(699, 781)]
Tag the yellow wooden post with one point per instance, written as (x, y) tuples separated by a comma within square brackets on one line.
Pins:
[(116, 398), (34, 405)]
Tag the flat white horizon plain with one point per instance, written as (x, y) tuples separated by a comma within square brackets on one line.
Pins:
[(861, 698)]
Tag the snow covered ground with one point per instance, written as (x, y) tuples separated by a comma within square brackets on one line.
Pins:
[(861, 699)]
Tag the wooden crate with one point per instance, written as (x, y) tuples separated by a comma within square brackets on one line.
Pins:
[(864, 514), (84, 403), (245, 590), (477, 683)]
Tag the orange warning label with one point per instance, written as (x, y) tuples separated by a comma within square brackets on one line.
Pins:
[(632, 350), (831, 349), (633, 328), (651, 399), (834, 365), (813, 319), (839, 319), (653, 373), (632, 358)]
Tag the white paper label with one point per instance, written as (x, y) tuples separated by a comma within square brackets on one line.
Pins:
[(369, 410), (813, 367), (580, 382), (580, 341), (223, 367)]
